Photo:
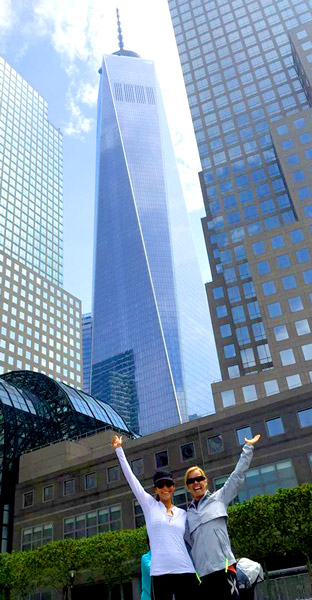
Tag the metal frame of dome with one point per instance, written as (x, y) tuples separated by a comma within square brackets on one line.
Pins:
[(36, 410)]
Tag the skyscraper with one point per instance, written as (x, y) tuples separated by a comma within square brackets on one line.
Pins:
[(86, 350), (246, 67), (39, 321), (153, 354)]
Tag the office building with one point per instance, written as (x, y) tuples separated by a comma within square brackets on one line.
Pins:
[(54, 478), (40, 323), (246, 67), (153, 353), (86, 350)]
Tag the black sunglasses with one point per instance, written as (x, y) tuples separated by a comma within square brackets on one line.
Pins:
[(193, 479), (164, 482)]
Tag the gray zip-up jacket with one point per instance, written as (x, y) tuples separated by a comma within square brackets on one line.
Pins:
[(206, 528)]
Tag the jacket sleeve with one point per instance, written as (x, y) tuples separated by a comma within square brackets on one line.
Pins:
[(237, 478), (141, 495)]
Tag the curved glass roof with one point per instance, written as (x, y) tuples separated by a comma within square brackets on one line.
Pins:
[(49, 411)]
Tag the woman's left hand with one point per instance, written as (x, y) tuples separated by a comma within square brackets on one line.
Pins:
[(253, 440)]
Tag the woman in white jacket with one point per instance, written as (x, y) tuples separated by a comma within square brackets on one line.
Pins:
[(172, 570)]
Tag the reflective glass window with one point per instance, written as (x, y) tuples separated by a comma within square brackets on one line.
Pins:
[(242, 433), (307, 351), (287, 357), (271, 387), (228, 398), (269, 288), (305, 417), (295, 303), (275, 309), (289, 282), (250, 393), (275, 427), (293, 381)]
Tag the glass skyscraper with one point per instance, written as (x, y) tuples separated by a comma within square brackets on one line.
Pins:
[(246, 66), (153, 355), (86, 350), (40, 322)]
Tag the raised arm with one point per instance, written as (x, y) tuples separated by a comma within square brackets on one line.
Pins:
[(141, 495), (237, 477)]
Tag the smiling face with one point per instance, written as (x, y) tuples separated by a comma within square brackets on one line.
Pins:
[(165, 493), (197, 488)]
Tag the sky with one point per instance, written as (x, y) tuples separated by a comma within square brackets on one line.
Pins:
[(57, 46)]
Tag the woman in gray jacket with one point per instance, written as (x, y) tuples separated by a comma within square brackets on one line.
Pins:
[(207, 532)]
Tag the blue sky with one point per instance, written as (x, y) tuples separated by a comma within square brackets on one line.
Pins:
[(57, 46)]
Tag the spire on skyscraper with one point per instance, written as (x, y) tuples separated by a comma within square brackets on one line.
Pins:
[(120, 37), (122, 51)]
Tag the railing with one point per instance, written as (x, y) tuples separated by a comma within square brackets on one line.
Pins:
[(288, 587)]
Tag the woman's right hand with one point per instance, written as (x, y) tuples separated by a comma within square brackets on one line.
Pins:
[(117, 441)]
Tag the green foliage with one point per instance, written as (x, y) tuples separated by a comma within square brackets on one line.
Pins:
[(278, 525), (114, 555), (263, 527)]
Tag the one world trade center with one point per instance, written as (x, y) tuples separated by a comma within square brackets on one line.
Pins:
[(153, 352)]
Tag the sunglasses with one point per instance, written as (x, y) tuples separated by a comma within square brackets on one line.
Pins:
[(164, 482), (193, 479)]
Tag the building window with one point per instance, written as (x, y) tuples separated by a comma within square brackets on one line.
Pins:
[(305, 417), (293, 381), (228, 398), (307, 351), (181, 498), (281, 333), (48, 493), (139, 520), (33, 537), (187, 451), (90, 481), (113, 474), (69, 487), (215, 444), (274, 309), (287, 357), (241, 434), (275, 427), (28, 499), (264, 480), (271, 387), (91, 523), (250, 393), (295, 304), (161, 459), (137, 466)]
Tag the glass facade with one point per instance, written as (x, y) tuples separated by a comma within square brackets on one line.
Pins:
[(264, 480), (246, 68), (35, 411), (31, 192), (153, 352), (86, 350)]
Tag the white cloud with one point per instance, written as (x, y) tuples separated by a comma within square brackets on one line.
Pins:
[(6, 15), (87, 94), (78, 124)]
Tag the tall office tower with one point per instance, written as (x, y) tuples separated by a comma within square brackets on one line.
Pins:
[(252, 117), (86, 350), (153, 354), (40, 323)]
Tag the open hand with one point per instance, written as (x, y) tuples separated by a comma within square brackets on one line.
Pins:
[(117, 441), (254, 440)]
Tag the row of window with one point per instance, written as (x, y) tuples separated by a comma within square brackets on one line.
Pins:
[(250, 394), (265, 479), (187, 452)]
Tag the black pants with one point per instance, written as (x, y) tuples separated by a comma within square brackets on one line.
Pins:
[(182, 586), (219, 584)]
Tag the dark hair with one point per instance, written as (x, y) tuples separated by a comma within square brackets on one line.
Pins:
[(162, 475)]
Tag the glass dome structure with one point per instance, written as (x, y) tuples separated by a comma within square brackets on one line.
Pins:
[(35, 410)]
